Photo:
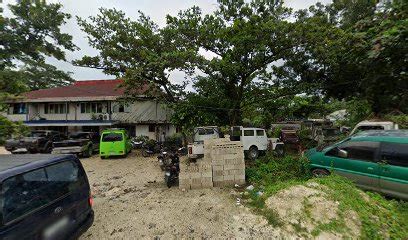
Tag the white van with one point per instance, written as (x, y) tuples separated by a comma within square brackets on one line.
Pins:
[(373, 125), (254, 140)]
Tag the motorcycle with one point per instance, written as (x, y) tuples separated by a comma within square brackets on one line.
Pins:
[(163, 160), (149, 149), (172, 170)]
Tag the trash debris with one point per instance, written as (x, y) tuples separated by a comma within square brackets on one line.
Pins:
[(259, 193), (236, 185), (250, 188), (238, 201)]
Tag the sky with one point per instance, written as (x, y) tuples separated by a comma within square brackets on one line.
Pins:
[(156, 9)]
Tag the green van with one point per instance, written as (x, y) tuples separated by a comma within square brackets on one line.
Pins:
[(114, 142), (374, 160)]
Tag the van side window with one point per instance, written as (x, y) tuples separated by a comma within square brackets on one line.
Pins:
[(249, 133), (395, 153), (357, 150), (27, 192), (260, 133)]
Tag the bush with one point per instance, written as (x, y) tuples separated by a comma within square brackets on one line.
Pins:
[(9, 129), (401, 120), (269, 170), (174, 141)]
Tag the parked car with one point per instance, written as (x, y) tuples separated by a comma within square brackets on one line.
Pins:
[(289, 137), (254, 140), (44, 197), (114, 142), (37, 141), (196, 149), (79, 143), (374, 125), (374, 160)]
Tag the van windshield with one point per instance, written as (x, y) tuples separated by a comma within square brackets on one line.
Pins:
[(112, 137), (29, 191)]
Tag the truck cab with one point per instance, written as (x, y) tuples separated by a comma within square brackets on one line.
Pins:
[(254, 140), (196, 149)]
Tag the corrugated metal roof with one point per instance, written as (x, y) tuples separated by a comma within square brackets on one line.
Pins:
[(83, 89)]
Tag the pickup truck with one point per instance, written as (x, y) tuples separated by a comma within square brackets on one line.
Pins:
[(196, 149), (39, 141), (79, 143)]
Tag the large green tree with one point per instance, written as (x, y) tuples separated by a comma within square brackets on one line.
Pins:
[(30, 35), (243, 38), (339, 53), (139, 51)]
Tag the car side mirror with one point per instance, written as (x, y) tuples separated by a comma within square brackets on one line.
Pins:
[(342, 153)]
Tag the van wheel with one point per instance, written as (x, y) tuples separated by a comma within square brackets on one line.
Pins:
[(253, 153), (319, 172)]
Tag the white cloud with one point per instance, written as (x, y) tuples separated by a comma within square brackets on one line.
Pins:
[(156, 9)]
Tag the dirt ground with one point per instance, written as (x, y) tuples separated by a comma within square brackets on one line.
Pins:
[(132, 202)]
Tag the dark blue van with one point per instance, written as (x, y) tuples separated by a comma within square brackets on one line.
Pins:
[(44, 196)]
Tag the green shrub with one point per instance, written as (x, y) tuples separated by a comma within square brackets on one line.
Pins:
[(401, 120), (9, 129), (269, 169), (174, 141)]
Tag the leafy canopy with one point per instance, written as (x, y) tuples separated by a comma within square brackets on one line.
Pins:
[(28, 37)]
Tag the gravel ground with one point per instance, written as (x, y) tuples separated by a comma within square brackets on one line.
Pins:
[(132, 202)]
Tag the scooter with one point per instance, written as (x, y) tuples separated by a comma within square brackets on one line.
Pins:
[(172, 171)]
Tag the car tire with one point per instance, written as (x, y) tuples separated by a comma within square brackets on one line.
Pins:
[(253, 153), (103, 157), (48, 149), (319, 172)]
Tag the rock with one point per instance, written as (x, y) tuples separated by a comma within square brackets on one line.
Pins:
[(250, 188)]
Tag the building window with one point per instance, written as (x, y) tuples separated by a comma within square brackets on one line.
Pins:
[(152, 128), (118, 107), (95, 107), (55, 108), (19, 108)]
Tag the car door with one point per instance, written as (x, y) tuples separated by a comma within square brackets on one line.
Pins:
[(248, 138), (394, 169), (360, 165), (45, 202)]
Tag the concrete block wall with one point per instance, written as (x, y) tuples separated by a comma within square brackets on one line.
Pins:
[(228, 163), (195, 175), (223, 165)]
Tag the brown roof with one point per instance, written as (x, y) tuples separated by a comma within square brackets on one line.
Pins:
[(82, 89)]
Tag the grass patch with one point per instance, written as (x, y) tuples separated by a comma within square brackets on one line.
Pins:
[(334, 226), (380, 217)]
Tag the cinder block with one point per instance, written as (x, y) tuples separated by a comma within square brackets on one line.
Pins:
[(229, 172), (239, 172), (206, 182), (217, 167), (218, 178), (185, 183), (218, 173), (240, 181), (229, 183), (195, 175), (229, 167), (207, 174), (229, 178), (218, 184)]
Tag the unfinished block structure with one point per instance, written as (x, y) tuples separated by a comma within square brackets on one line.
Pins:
[(223, 165)]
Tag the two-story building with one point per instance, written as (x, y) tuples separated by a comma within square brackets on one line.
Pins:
[(92, 106)]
